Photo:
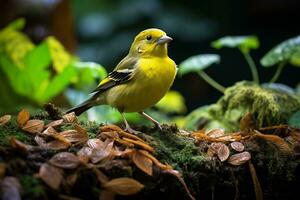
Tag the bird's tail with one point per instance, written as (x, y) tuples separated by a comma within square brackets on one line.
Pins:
[(82, 107)]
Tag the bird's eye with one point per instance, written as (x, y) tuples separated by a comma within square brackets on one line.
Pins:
[(149, 37)]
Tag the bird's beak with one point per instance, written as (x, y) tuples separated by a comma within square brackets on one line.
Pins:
[(164, 39)]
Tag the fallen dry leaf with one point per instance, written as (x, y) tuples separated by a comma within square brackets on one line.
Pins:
[(73, 136), (17, 144), (101, 154), (10, 188), (123, 142), (239, 158), (96, 143), (238, 146), (71, 179), (155, 161), (218, 132), (70, 117), (55, 123), (110, 128), (50, 131), (84, 154), (51, 175), (65, 160), (140, 144), (223, 152), (53, 145), (34, 126), (23, 117), (4, 119), (142, 162), (124, 186)]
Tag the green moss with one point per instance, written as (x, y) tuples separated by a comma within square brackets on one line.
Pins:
[(269, 106), (11, 129)]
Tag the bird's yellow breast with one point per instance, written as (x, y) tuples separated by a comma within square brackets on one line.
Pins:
[(152, 79)]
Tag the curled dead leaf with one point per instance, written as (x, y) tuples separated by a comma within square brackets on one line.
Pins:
[(53, 145), (17, 144), (141, 144), (34, 126), (142, 162), (218, 132), (55, 123), (96, 143), (238, 146), (84, 154), (51, 175), (10, 188), (223, 152), (73, 136), (124, 186), (4, 119), (155, 161), (239, 158), (256, 184), (23, 117), (101, 154), (70, 117), (65, 160), (110, 128)]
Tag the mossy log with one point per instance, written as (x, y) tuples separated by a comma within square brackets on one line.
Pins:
[(277, 167)]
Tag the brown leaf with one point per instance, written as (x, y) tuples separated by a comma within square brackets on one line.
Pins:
[(223, 152), (100, 154), (215, 146), (65, 160), (140, 144), (70, 117), (155, 161), (2, 169), (4, 119), (238, 146), (50, 131), (142, 162), (23, 117), (54, 145), (51, 175), (17, 144), (218, 132), (239, 158), (110, 128), (10, 188), (71, 179), (248, 122), (55, 123), (96, 143), (124, 186), (34, 126), (73, 136), (84, 154)]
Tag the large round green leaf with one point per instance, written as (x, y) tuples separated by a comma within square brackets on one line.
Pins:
[(286, 51), (245, 43), (198, 63)]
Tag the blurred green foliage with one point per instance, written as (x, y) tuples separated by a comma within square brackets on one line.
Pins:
[(244, 43)]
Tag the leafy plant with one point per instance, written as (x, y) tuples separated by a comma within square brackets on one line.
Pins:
[(287, 51)]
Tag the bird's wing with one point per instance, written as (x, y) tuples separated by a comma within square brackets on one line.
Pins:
[(121, 74)]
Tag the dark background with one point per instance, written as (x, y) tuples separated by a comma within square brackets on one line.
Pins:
[(102, 31)]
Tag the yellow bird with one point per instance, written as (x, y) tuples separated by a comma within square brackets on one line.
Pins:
[(139, 81)]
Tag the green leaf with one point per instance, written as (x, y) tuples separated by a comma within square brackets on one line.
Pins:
[(172, 102), (60, 57), (38, 58), (286, 51), (198, 63), (58, 83), (88, 72), (17, 24), (244, 43)]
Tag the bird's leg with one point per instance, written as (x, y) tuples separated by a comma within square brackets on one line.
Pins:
[(127, 127), (156, 123)]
